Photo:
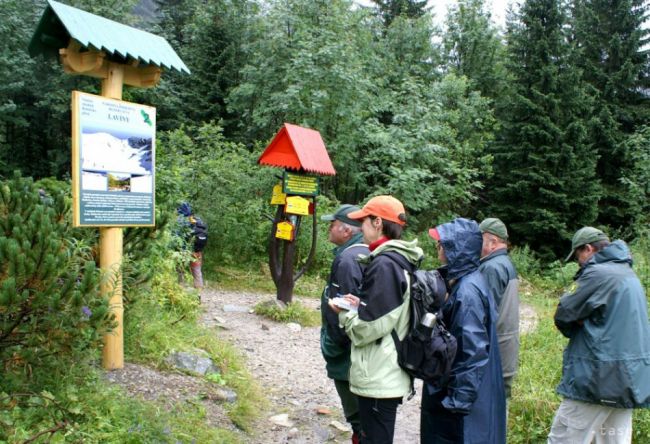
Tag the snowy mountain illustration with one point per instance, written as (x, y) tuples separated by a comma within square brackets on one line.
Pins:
[(105, 152)]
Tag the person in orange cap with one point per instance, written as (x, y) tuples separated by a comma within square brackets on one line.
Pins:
[(381, 306)]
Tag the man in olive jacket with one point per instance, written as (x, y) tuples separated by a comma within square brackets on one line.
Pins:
[(501, 276), (606, 367), (345, 277)]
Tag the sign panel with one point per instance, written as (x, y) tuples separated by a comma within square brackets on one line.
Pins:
[(297, 205), (278, 197), (285, 230), (300, 184), (113, 158)]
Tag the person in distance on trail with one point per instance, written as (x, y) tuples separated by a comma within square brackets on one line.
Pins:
[(501, 276), (194, 233), (345, 277), (606, 364), (470, 407), (382, 305)]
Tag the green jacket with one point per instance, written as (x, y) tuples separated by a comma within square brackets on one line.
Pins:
[(605, 317), (384, 293), (345, 277)]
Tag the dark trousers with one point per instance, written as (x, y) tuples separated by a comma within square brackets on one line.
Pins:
[(378, 419), (437, 424), (350, 404)]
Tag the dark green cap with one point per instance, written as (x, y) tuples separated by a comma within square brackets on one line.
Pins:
[(584, 236), (494, 226), (342, 215)]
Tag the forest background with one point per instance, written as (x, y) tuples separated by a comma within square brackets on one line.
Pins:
[(543, 124)]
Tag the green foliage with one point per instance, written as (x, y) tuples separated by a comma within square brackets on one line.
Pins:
[(392, 9), (545, 182), (610, 39), (474, 49), (81, 407), (636, 181), (49, 299), (225, 187), (293, 312)]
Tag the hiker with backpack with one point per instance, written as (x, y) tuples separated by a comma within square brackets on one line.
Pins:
[(345, 277), (381, 306), (470, 406), (194, 234)]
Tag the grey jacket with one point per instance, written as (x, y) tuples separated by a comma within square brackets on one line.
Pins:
[(605, 317), (502, 279)]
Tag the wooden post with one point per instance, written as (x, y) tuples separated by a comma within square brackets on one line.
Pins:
[(110, 252)]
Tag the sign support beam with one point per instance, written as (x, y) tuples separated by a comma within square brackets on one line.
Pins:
[(110, 253)]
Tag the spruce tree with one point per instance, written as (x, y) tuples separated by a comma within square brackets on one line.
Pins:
[(544, 183), (391, 9), (610, 38)]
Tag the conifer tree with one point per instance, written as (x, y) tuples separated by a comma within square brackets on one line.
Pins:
[(391, 9), (544, 182), (610, 38)]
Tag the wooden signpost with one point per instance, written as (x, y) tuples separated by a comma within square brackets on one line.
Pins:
[(302, 154), (118, 55)]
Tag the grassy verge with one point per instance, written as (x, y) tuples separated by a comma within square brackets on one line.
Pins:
[(157, 331)]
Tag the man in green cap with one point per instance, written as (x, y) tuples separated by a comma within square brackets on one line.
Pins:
[(606, 366), (503, 282), (345, 277)]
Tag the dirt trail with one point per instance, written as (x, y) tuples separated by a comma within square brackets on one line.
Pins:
[(288, 365)]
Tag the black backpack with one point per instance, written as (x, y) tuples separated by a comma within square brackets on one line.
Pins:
[(422, 355), (200, 234)]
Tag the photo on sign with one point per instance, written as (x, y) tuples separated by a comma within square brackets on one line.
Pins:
[(116, 162)]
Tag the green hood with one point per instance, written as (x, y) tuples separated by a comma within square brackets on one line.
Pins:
[(408, 249)]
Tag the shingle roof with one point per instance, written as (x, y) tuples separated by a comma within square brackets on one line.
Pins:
[(296, 148), (60, 22)]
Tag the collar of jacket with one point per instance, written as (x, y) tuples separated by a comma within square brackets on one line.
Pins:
[(495, 253), (616, 252), (356, 239)]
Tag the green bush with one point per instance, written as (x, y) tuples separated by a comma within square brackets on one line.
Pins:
[(293, 312), (50, 306)]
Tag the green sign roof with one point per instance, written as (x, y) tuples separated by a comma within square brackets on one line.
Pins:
[(61, 22)]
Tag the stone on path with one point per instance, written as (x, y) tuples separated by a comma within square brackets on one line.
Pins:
[(340, 426), (281, 420), (231, 308), (295, 328), (192, 362)]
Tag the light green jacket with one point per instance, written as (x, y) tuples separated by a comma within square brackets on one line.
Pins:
[(374, 371)]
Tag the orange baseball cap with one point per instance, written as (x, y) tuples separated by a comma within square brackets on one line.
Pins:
[(386, 207)]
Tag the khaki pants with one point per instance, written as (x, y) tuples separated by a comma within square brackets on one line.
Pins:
[(579, 422)]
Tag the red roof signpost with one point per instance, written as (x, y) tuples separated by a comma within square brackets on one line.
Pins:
[(302, 154)]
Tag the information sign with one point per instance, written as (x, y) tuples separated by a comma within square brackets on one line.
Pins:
[(297, 205), (300, 184), (278, 198), (113, 158), (285, 230)]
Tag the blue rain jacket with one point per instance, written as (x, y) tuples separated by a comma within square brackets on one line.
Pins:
[(474, 398)]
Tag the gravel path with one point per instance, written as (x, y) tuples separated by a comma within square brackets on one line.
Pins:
[(289, 367)]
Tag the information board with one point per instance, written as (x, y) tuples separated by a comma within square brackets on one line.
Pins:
[(113, 159)]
